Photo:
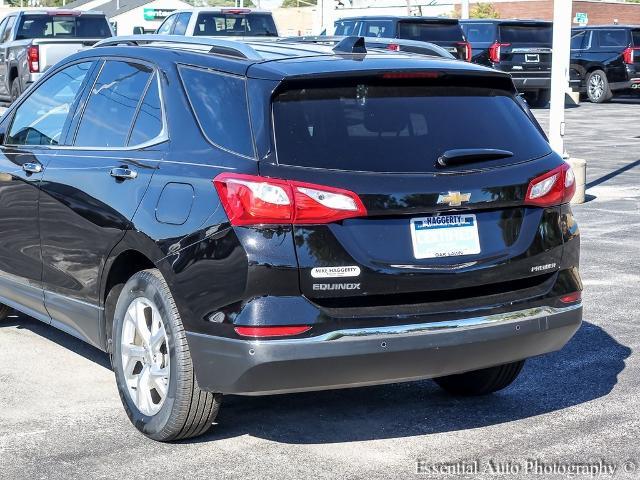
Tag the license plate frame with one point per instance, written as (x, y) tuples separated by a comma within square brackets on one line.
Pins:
[(442, 236), (532, 57)]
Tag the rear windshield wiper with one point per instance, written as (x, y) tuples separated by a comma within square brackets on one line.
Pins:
[(460, 156)]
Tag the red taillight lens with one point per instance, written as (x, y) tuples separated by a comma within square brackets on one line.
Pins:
[(271, 331), (394, 47), (571, 297), (552, 188), (467, 50), (494, 51), (254, 200), (628, 55), (33, 58)]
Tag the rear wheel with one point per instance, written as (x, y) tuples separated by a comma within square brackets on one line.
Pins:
[(481, 382), (15, 90), (598, 90), (153, 366), (540, 100), (4, 312)]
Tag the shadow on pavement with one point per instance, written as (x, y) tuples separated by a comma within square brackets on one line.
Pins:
[(613, 174)]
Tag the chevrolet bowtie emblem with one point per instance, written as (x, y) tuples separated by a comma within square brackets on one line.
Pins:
[(454, 199)]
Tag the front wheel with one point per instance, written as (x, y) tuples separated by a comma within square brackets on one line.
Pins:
[(152, 363), (481, 382), (5, 311)]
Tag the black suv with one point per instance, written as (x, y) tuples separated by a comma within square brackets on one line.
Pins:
[(520, 47), (445, 32), (258, 218), (605, 59)]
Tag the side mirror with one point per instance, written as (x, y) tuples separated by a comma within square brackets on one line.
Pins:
[(138, 30)]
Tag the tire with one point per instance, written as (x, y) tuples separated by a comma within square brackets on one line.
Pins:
[(15, 90), (541, 100), (481, 382), (184, 411), (598, 90), (5, 311)]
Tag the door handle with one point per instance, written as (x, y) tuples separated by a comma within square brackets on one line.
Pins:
[(32, 167), (123, 173)]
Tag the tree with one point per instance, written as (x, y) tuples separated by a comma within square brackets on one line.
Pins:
[(483, 10), (299, 3)]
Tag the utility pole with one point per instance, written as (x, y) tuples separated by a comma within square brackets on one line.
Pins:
[(464, 9), (559, 71)]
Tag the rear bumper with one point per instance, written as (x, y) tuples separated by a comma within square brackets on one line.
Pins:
[(524, 84), (368, 356)]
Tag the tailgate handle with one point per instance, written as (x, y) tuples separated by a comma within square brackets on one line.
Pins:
[(460, 156)]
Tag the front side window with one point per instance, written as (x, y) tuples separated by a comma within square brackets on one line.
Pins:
[(182, 21), (167, 25), (345, 27), (112, 105), (219, 102), (40, 119), (231, 24), (577, 40), (6, 35)]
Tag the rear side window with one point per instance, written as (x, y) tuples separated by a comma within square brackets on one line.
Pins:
[(40, 119), (345, 27), (219, 102), (148, 123), (228, 24), (62, 26), (112, 105), (480, 32), (612, 38), (430, 32), (397, 128), (526, 34)]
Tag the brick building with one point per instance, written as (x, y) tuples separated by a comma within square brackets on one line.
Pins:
[(599, 12)]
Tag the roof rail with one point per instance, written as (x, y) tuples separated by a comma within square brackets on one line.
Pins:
[(231, 48)]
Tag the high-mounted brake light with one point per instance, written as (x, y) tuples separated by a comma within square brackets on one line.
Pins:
[(236, 11), (552, 188), (255, 200), (494, 51), (64, 13), (467, 50), (628, 55), (271, 331), (33, 58)]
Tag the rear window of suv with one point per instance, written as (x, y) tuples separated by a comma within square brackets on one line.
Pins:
[(526, 34), (62, 26), (398, 128), (430, 31)]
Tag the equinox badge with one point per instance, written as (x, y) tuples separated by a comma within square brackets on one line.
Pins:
[(454, 199)]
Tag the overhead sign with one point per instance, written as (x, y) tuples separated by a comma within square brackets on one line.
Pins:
[(157, 13), (582, 18)]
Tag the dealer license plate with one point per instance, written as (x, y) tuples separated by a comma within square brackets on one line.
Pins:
[(445, 236)]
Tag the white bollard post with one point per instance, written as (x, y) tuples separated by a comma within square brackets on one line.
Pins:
[(559, 71), (579, 167)]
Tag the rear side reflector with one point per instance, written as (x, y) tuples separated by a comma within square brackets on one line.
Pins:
[(271, 331), (552, 188), (255, 200), (571, 298)]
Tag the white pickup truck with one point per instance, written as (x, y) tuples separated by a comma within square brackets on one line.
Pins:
[(32, 41)]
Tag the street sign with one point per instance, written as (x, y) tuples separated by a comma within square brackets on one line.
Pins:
[(581, 18)]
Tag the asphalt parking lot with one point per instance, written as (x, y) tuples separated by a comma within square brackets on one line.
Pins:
[(61, 417)]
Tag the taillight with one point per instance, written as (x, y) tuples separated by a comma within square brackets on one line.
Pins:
[(254, 200), (271, 331), (467, 50), (628, 55), (33, 58), (394, 47), (571, 297), (552, 188), (494, 51)]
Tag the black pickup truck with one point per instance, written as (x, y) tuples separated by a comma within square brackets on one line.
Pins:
[(605, 59), (521, 48)]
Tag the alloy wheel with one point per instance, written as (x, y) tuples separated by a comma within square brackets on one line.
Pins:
[(596, 86), (145, 356)]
